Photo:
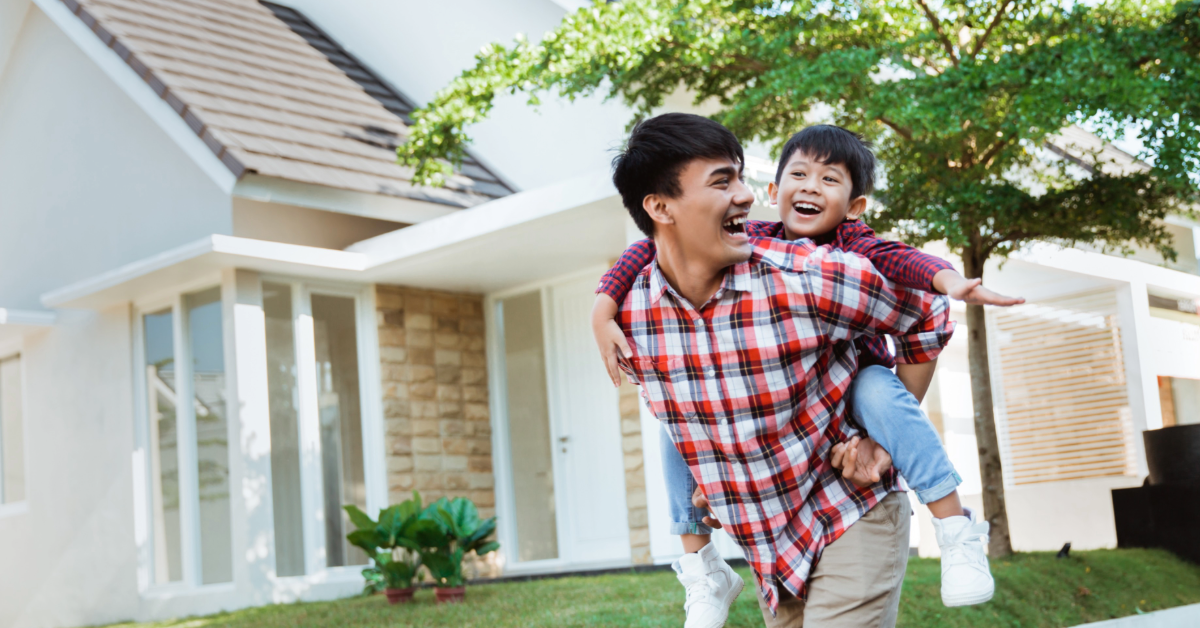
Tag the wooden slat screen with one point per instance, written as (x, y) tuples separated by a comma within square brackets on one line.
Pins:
[(1063, 407)]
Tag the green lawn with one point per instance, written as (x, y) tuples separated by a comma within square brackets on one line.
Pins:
[(1031, 590)]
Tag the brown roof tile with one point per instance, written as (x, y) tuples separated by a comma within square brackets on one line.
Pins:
[(269, 92)]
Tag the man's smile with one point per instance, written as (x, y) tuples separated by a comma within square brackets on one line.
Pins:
[(735, 224)]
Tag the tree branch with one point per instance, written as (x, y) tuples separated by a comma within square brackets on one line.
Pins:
[(992, 151), (901, 131), (987, 33), (937, 28)]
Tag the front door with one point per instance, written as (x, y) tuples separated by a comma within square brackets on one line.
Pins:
[(565, 488)]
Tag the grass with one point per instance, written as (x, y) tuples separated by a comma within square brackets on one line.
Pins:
[(1032, 590)]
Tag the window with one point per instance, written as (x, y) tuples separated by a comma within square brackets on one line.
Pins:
[(1180, 400), (187, 439), (12, 432), (315, 406)]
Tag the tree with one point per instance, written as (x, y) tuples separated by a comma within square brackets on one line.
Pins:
[(961, 98)]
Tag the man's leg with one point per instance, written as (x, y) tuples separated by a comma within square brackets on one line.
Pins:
[(711, 584), (858, 578)]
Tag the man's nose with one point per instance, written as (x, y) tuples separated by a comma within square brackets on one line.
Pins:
[(743, 196)]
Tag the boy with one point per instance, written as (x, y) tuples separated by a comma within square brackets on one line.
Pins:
[(824, 176)]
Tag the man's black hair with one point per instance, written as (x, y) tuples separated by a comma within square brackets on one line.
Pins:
[(831, 144), (656, 152)]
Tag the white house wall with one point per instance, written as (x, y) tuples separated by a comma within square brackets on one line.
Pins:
[(70, 559), (90, 182)]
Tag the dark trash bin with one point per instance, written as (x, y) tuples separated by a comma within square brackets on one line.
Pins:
[(1165, 511)]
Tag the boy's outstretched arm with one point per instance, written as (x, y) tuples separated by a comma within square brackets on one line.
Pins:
[(609, 337), (948, 282)]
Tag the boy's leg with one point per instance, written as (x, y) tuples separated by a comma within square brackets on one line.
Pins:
[(711, 584), (882, 406), (858, 579), (892, 416)]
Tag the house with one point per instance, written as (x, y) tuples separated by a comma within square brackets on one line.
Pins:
[(225, 312)]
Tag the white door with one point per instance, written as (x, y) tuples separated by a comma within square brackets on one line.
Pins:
[(586, 430)]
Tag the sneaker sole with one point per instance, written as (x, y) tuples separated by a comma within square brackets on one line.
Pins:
[(969, 600)]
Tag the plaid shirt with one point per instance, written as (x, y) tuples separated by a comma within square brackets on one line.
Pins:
[(899, 262), (751, 388)]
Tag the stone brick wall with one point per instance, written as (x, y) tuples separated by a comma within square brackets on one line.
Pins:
[(435, 396), (635, 474)]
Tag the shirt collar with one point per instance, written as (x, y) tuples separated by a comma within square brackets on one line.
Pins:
[(737, 278)]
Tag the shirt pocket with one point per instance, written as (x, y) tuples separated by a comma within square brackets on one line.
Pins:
[(680, 391)]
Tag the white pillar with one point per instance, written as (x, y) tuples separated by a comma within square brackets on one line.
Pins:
[(1141, 377), (249, 435)]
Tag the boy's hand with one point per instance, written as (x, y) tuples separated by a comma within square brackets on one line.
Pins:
[(609, 337), (971, 291), (861, 460), (701, 502)]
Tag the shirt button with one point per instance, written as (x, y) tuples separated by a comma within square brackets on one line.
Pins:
[(710, 371)]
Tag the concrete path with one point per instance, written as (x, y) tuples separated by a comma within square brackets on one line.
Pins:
[(1179, 617)]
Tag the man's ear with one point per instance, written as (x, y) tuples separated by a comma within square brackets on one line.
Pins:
[(858, 207), (656, 208), (773, 192)]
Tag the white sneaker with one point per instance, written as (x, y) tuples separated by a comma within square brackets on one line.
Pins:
[(966, 578), (712, 586)]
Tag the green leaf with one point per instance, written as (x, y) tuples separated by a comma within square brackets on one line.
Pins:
[(487, 548), (364, 539), (359, 518)]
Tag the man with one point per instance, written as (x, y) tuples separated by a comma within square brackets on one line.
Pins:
[(744, 349)]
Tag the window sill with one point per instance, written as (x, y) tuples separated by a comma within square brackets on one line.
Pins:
[(14, 509)]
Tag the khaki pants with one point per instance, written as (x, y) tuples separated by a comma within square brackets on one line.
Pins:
[(857, 580)]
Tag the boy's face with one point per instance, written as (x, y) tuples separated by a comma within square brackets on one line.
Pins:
[(814, 197), (707, 221)]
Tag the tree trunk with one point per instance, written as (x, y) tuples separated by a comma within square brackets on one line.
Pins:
[(990, 469)]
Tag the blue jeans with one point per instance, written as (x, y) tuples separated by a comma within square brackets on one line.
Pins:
[(881, 405)]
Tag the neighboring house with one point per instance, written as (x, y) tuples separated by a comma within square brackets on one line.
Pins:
[(225, 312)]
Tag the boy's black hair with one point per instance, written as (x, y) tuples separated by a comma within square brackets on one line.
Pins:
[(657, 151), (831, 144)]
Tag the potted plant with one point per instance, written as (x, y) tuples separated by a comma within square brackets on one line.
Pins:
[(394, 543), (461, 532)]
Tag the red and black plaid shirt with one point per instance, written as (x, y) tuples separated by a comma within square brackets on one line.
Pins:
[(751, 388), (899, 262)]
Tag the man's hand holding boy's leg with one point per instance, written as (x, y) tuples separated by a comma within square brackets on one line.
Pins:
[(861, 460)]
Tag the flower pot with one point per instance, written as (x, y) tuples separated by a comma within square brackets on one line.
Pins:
[(399, 596), (447, 595)]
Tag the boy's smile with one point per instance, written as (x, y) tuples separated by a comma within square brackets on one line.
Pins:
[(814, 197)]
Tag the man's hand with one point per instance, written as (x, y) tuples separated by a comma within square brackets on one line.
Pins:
[(701, 502), (971, 291), (609, 337), (861, 460)]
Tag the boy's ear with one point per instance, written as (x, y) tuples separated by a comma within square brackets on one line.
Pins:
[(656, 208), (773, 192), (858, 207)]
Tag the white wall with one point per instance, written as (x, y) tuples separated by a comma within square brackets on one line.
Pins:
[(421, 46), (90, 182), (70, 559)]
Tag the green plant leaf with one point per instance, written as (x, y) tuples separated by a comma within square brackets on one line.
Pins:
[(359, 518), (487, 548), (365, 540)]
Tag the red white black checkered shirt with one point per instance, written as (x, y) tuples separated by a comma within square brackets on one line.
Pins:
[(752, 390), (903, 264)]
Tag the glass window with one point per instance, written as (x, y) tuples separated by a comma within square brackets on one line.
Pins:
[(159, 332), (285, 430), (528, 411), (206, 345), (1180, 400), (12, 433), (336, 343)]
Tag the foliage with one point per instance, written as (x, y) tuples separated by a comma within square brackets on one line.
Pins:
[(1032, 590), (462, 532), (394, 543)]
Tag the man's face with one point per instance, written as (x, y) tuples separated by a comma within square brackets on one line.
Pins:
[(814, 197), (709, 215)]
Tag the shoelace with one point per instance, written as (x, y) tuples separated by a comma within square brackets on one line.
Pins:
[(699, 589), (957, 553)]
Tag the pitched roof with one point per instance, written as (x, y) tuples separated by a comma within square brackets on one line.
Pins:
[(270, 93)]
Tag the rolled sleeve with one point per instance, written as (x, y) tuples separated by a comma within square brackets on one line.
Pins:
[(926, 340)]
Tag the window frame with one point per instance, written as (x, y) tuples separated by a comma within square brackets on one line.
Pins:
[(15, 348)]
